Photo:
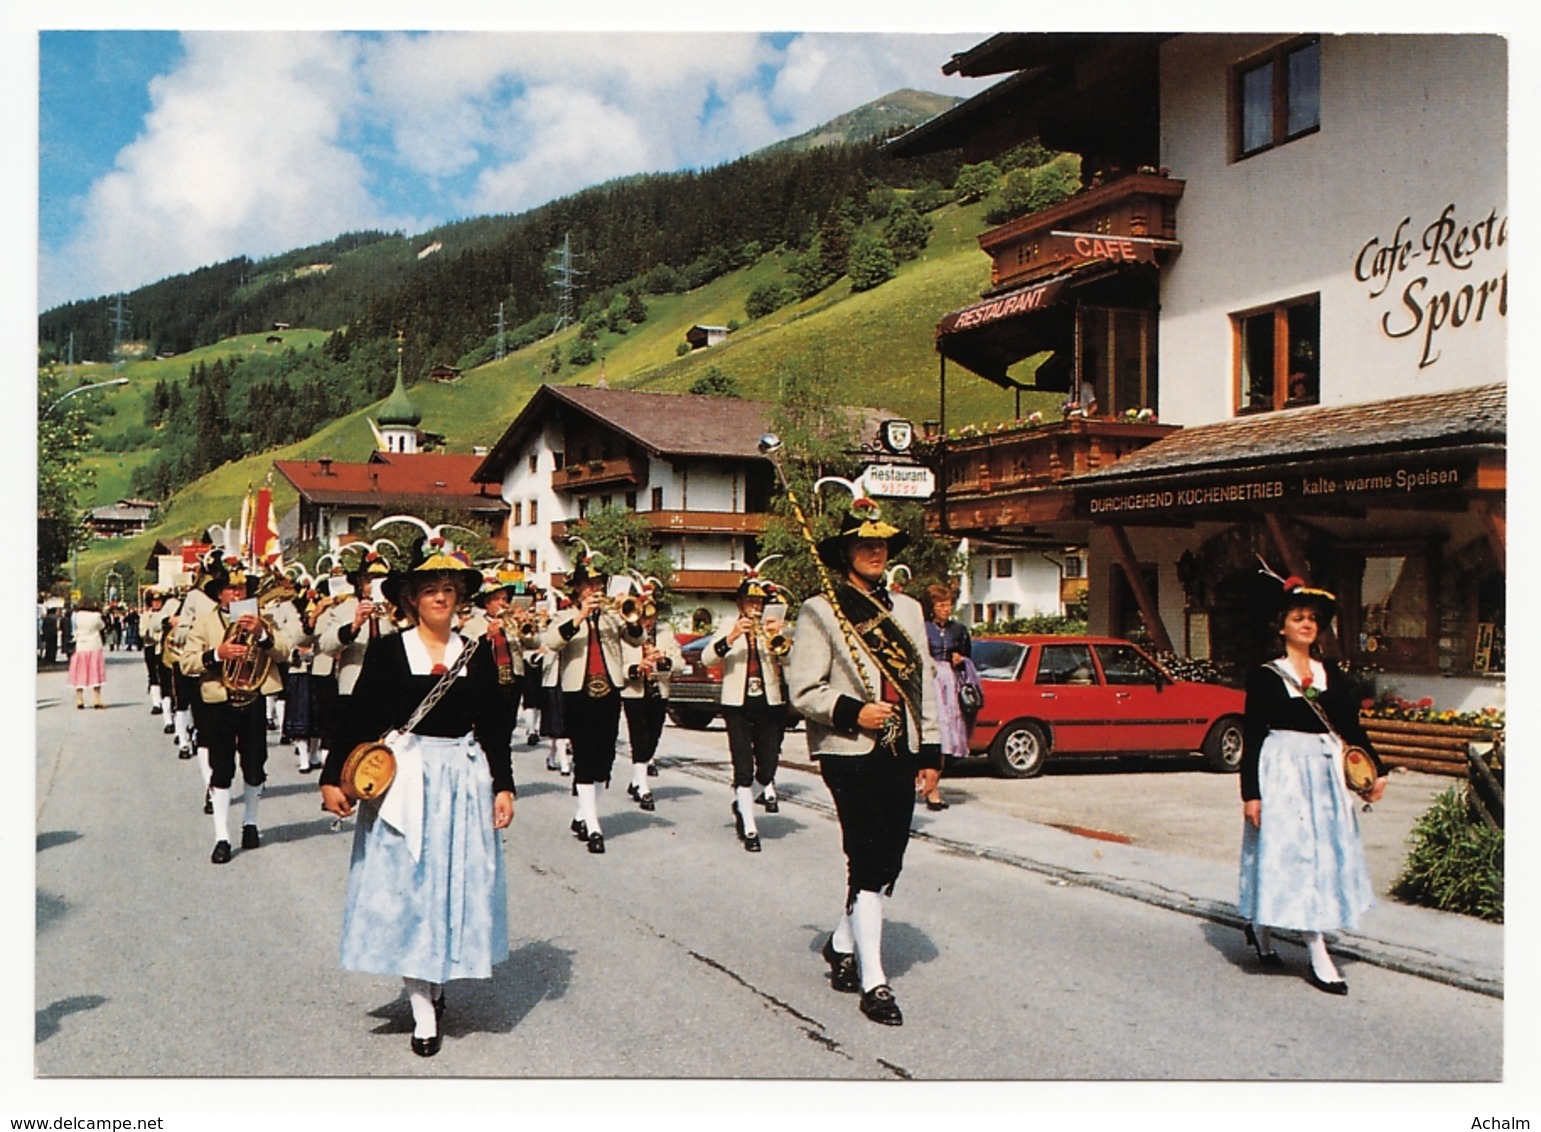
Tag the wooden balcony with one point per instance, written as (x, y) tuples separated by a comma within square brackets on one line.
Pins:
[(1010, 479), (1130, 220), (707, 522), (686, 581), (751, 524), (621, 471)]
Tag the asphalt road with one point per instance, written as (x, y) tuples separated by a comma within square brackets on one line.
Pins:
[(676, 955)]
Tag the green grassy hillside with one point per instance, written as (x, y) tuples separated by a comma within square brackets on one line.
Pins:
[(878, 344)]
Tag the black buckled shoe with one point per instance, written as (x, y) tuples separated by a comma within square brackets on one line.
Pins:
[(752, 842), (168, 729), (652, 770), (185, 753), (879, 1005), (580, 829), (221, 854), (596, 842), (771, 803), (250, 838), (426, 1047), (842, 968)]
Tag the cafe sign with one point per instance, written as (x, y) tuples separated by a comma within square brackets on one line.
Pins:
[(1382, 485)]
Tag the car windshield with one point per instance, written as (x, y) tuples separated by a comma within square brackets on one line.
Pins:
[(998, 660)]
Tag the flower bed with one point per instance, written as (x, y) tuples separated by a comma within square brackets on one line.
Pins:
[(1433, 747)]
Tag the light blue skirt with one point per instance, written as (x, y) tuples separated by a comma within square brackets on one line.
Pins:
[(444, 915), (1304, 868)]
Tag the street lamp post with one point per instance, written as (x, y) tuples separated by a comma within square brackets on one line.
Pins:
[(83, 389), (75, 551)]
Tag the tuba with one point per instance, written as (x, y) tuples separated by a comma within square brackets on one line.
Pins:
[(244, 676)]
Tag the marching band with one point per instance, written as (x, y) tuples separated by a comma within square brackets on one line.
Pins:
[(566, 668)]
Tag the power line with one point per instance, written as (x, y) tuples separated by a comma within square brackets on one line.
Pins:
[(565, 281)]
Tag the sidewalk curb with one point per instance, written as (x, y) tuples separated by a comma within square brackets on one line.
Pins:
[(1388, 954)]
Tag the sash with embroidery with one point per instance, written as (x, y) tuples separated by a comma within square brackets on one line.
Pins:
[(886, 642)]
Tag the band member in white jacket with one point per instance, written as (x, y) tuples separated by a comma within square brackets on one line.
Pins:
[(585, 643), (861, 675), (235, 718), (749, 651), (357, 615), (649, 663)]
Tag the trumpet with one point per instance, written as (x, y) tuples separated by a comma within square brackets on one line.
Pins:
[(630, 609), (526, 624), (777, 644)]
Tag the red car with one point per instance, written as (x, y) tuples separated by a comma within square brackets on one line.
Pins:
[(1094, 696)]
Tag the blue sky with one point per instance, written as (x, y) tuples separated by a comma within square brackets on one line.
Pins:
[(163, 151)]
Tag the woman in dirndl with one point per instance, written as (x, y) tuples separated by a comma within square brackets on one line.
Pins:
[(426, 895), (950, 645), (88, 661), (1302, 863)]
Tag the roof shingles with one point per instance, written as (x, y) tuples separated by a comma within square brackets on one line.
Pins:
[(1475, 415)]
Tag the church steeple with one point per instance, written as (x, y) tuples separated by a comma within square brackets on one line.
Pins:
[(399, 417)]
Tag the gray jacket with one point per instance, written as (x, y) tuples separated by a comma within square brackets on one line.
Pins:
[(821, 672)]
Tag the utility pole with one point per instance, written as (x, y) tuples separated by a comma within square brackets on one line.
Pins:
[(119, 322), (501, 328), (565, 280)]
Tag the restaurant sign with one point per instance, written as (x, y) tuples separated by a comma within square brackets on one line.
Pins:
[(898, 481), (1022, 301), (1381, 484)]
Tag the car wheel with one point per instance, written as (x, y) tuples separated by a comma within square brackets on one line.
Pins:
[(1222, 746), (694, 719), (1020, 750)]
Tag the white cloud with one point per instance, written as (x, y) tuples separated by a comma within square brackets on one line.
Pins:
[(241, 152), (261, 142)]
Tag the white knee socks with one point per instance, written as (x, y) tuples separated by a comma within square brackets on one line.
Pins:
[(639, 777), (843, 940), (253, 793), (867, 929), (221, 800), (588, 806), (425, 1023), (745, 798)]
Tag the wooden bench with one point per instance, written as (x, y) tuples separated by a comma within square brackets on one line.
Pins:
[(1435, 748)]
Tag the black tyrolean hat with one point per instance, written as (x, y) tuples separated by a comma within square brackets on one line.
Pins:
[(863, 520)]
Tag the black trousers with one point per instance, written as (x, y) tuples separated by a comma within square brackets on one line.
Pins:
[(644, 724), (152, 664), (236, 730), (755, 731), (874, 797), (593, 722)]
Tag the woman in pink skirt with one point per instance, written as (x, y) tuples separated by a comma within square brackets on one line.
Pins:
[(88, 663)]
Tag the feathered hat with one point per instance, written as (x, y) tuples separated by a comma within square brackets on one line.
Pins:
[(433, 553), (227, 571), (863, 520), (1294, 592), (587, 565), (755, 584), (506, 579)]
